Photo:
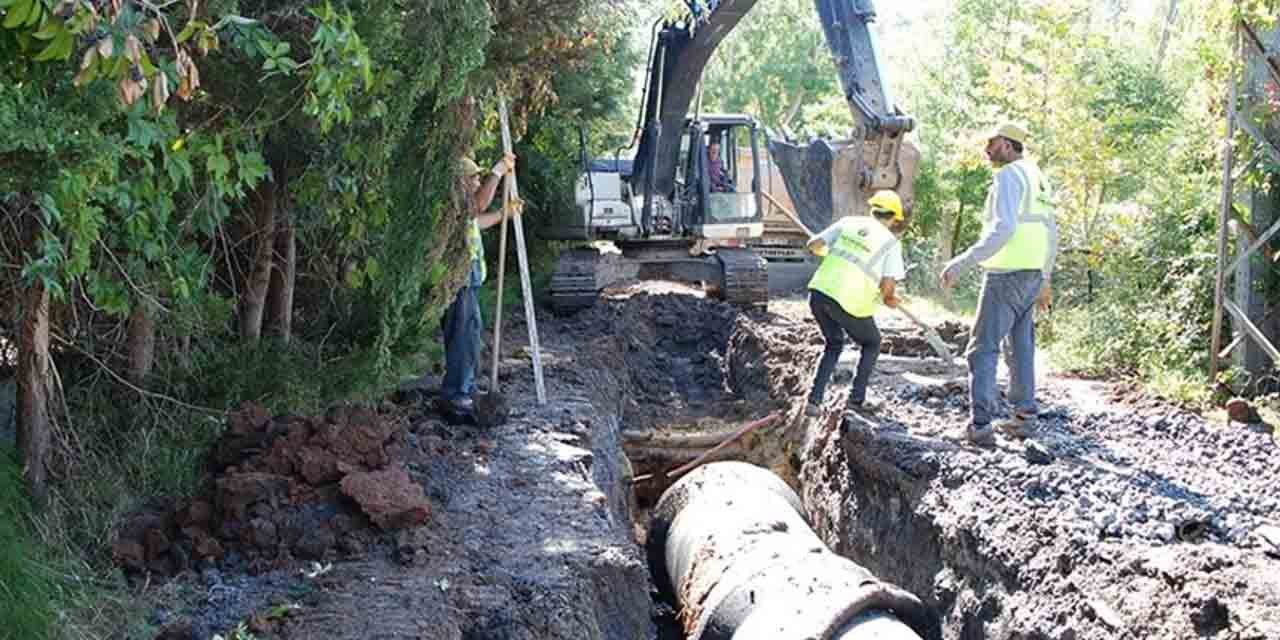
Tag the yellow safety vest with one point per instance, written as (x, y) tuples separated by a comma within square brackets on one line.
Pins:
[(475, 247), (850, 273), (1028, 248)]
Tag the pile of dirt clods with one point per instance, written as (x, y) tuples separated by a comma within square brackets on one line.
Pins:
[(279, 488)]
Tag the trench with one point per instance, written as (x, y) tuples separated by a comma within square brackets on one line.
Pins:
[(538, 529), (1077, 539), (694, 371)]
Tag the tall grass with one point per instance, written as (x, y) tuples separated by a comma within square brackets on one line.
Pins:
[(28, 592)]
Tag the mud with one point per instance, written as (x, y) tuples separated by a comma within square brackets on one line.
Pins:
[(1123, 516), (673, 348), (1127, 518)]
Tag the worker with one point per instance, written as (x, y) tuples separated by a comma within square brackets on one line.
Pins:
[(462, 323), (1017, 249), (720, 182), (861, 264)]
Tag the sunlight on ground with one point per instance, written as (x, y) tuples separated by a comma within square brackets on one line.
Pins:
[(8, 353)]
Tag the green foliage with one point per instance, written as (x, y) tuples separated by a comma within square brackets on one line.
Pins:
[(774, 63), (1118, 123), (28, 593)]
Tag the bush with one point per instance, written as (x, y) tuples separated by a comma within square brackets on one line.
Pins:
[(1155, 334)]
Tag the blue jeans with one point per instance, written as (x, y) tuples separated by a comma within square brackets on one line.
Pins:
[(835, 322), (462, 325), (1005, 310)]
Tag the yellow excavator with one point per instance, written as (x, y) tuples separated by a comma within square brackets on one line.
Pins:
[(687, 206)]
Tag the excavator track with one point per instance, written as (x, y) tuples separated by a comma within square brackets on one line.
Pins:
[(746, 277), (576, 283)]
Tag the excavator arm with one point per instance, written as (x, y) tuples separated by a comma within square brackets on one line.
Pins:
[(830, 179), (681, 51), (822, 177)]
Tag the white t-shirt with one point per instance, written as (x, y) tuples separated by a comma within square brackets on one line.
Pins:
[(892, 267)]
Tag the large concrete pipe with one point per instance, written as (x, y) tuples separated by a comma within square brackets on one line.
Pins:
[(729, 544)]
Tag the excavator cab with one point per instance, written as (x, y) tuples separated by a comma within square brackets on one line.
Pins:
[(715, 192), (696, 230), (719, 179)]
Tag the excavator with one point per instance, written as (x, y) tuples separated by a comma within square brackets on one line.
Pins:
[(677, 210)]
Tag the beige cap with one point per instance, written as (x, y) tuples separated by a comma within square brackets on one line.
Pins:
[(1010, 130), (468, 167)]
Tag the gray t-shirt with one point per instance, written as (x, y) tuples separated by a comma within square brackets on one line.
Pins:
[(1007, 190)]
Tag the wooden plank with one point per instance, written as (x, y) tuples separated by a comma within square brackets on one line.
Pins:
[(1235, 342), (1261, 240), (531, 321), (1253, 331), (737, 435)]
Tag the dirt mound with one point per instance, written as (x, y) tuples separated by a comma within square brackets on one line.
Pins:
[(1133, 524), (282, 488), (673, 353)]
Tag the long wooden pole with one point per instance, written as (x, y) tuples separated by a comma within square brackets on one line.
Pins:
[(787, 212), (512, 196), (502, 271), (1228, 157)]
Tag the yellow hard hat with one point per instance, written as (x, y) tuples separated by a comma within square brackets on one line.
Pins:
[(889, 201), (1010, 130), (468, 167)]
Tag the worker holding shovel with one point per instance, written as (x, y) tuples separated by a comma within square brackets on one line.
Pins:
[(861, 264), (462, 323)]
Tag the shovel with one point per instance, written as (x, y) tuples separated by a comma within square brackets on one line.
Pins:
[(935, 341)]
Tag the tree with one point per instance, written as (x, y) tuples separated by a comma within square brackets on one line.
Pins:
[(773, 64)]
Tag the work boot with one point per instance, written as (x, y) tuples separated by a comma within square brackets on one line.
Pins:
[(980, 434), (1020, 426), (457, 410), (864, 407)]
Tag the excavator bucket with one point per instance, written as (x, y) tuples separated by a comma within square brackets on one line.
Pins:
[(821, 178), (828, 180)]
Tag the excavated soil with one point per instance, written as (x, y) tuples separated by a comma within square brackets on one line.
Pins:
[(1130, 518), (410, 527), (1122, 517)]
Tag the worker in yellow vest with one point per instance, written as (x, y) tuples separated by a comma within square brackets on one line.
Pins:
[(1017, 249), (861, 264), (462, 323)]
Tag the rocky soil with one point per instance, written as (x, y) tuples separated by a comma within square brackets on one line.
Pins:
[(1125, 517), (385, 522)]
